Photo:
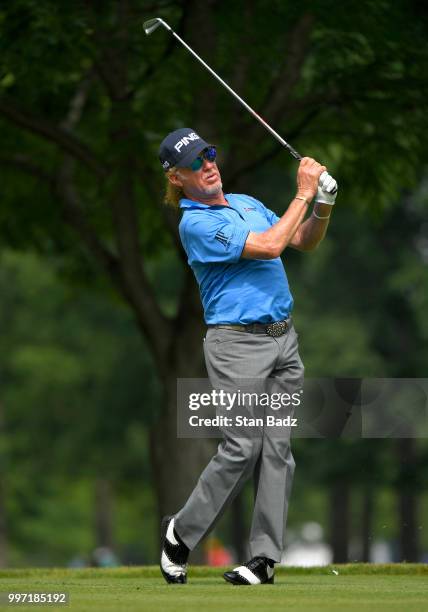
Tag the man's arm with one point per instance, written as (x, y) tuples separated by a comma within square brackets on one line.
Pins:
[(271, 243), (312, 231)]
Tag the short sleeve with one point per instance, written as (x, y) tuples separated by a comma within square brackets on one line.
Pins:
[(209, 239), (270, 216)]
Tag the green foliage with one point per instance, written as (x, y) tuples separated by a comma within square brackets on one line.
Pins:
[(73, 387), (358, 100), (344, 82)]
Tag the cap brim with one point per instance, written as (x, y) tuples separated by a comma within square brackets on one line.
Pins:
[(193, 154)]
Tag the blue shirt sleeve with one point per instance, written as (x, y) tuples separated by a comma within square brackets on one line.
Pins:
[(208, 239), (270, 216)]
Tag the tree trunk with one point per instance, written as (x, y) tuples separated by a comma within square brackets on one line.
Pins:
[(407, 502), (103, 514), (366, 523), (176, 463), (339, 520)]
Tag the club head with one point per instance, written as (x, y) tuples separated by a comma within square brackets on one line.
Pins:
[(151, 25)]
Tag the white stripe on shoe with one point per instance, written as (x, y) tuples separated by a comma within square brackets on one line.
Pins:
[(174, 554), (248, 575), (172, 568), (170, 533)]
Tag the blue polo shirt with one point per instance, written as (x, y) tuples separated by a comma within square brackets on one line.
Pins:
[(233, 289)]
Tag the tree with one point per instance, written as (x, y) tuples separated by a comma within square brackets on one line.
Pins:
[(86, 98)]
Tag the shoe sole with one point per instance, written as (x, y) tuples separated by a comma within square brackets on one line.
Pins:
[(238, 583), (164, 528)]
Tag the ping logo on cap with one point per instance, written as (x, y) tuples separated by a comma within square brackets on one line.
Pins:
[(183, 142)]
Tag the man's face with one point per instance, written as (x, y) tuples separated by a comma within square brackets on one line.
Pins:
[(203, 183)]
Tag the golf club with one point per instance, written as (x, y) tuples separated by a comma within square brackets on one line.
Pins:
[(152, 24)]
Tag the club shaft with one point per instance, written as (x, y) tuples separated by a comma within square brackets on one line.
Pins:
[(285, 144)]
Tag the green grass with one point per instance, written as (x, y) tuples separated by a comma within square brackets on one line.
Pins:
[(359, 587)]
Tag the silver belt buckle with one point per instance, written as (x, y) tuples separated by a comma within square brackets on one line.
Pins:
[(276, 329)]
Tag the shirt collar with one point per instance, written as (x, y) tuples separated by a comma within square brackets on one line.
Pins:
[(189, 204), (185, 203)]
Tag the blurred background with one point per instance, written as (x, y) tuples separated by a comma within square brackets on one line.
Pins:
[(99, 313)]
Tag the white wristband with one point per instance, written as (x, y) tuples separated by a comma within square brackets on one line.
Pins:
[(318, 217)]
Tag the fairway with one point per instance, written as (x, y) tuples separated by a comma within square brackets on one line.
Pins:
[(355, 587)]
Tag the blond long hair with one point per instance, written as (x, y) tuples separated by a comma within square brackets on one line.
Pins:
[(173, 193)]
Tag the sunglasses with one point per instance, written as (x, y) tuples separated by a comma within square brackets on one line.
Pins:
[(210, 154)]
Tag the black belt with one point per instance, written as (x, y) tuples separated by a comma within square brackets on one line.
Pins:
[(276, 329)]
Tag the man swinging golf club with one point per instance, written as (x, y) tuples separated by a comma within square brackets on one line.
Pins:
[(233, 243)]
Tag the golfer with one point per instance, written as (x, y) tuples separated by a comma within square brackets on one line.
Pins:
[(233, 244)]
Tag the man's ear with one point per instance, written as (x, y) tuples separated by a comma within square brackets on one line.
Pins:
[(175, 180)]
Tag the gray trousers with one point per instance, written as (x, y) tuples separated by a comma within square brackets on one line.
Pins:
[(233, 358)]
